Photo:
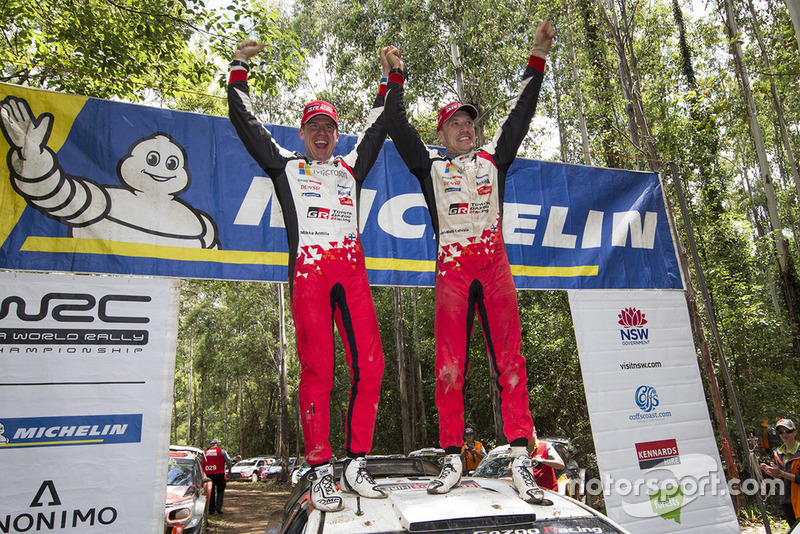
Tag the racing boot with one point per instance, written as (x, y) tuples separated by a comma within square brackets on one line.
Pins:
[(356, 479), (449, 477), (324, 495), (524, 481)]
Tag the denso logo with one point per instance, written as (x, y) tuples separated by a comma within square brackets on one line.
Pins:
[(458, 209), (319, 213), (632, 332), (74, 302)]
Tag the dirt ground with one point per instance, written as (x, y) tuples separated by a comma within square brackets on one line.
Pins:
[(251, 508), (258, 509)]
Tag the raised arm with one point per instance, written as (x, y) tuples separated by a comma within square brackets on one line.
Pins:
[(257, 140), (371, 140), (406, 138), (515, 127)]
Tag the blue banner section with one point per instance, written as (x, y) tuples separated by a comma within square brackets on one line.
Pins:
[(70, 430), (89, 207)]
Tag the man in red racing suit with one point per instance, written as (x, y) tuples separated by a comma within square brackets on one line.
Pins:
[(464, 191), (319, 195)]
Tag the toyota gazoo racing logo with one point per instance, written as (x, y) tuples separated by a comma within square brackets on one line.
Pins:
[(458, 208), (318, 213), (632, 331)]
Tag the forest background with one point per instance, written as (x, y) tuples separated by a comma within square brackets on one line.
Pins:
[(704, 92)]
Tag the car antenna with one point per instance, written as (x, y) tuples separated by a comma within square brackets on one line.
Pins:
[(359, 512)]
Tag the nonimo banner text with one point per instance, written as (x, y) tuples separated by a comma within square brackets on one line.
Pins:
[(89, 200)]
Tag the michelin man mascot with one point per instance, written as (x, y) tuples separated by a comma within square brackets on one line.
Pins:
[(144, 209)]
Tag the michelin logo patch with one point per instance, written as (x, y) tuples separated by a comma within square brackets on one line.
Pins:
[(70, 430)]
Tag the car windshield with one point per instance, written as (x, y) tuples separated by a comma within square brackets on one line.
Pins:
[(180, 473), (246, 463), (493, 467)]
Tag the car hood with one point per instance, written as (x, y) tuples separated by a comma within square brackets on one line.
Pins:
[(478, 505), (176, 494), (239, 469)]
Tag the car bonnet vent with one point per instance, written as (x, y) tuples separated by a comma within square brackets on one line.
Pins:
[(458, 524)]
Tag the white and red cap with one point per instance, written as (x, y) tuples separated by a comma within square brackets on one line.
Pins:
[(450, 109), (319, 107), (788, 424)]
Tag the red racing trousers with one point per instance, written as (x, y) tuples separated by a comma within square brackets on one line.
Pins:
[(477, 282), (334, 288)]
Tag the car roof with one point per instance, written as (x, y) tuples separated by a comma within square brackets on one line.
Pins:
[(477, 504), (178, 451)]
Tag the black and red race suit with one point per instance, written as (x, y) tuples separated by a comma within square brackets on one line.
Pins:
[(464, 194), (327, 272)]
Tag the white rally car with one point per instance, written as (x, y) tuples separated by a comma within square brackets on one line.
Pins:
[(478, 506)]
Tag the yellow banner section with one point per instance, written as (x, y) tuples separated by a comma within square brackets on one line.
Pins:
[(139, 250), (64, 109)]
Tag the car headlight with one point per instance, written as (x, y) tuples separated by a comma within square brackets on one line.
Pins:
[(179, 514)]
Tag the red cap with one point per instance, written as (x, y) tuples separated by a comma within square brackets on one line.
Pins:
[(319, 107), (447, 111)]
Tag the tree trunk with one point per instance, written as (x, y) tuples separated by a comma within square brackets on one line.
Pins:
[(240, 393), (576, 80), (794, 14), (405, 419), (283, 419), (789, 283), (776, 100), (600, 82), (420, 438)]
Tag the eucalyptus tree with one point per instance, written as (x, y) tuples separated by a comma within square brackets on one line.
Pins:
[(170, 52)]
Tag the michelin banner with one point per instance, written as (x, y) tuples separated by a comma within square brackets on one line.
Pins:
[(108, 187), (656, 451), (88, 366)]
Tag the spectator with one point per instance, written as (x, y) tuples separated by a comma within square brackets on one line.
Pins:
[(546, 461), (471, 452), (215, 463), (786, 467)]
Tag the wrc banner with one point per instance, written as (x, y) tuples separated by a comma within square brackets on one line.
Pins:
[(109, 187), (655, 447), (88, 367)]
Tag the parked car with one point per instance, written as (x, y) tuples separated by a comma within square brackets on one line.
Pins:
[(477, 505), (186, 509), (300, 472), (434, 454), (570, 479), (250, 469), (276, 467)]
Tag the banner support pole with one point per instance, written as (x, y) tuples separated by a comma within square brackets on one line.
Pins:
[(713, 323)]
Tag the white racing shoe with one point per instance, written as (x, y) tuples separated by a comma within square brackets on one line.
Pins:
[(356, 479), (324, 495), (524, 481), (449, 477)]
